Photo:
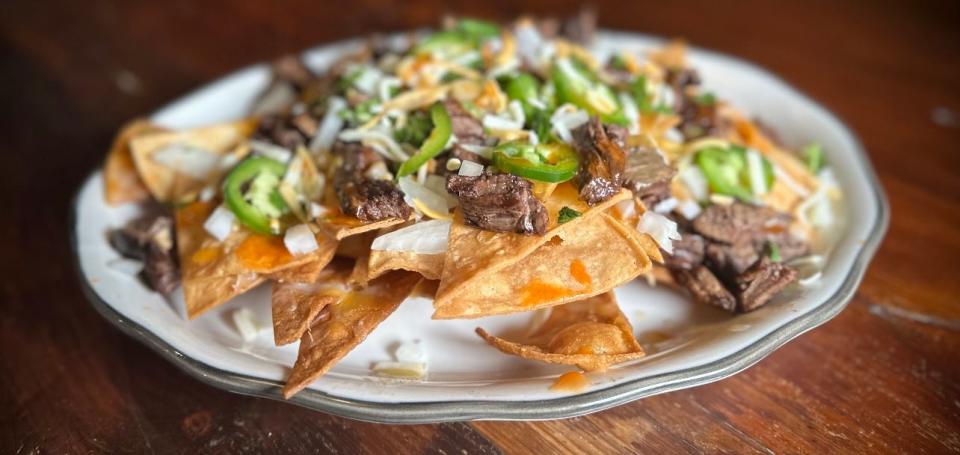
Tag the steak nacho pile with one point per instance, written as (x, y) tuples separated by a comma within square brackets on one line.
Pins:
[(492, 168)]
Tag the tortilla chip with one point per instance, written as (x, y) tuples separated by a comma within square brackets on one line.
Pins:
[(661, 276), (356, 246), (341, 227), (121, 181), (212, 272), (426, 289), (591, 334), (474, 253), (360, 276), (167, 184), (295, 306), (350, 321), (582, 260), (429, 266)]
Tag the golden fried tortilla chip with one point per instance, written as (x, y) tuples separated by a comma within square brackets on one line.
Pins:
[(474, 253), (295, 306), (429, 266), (341, 227), (176, 164), (121, 181), (591, 334), (350, 321), (579, 261), (213, 272)]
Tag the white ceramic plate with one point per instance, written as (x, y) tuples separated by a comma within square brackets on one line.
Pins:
[(468, 379)]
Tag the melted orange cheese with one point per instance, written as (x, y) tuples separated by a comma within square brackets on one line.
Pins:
[(579, 272), (261, 252), (205, 255), (537, 292), (573, 381)]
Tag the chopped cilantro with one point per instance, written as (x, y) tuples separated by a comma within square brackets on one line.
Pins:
[(360, 114), (567, 214), (415, 131), (706, 99), (539, 122), (618, 63)]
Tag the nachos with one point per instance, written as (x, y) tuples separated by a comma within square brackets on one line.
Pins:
[(493, 168)]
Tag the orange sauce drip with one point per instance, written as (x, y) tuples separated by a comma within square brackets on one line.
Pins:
[(356, 300), (205, 255), (261, 252), (194, 213), (536, 292), (586, 350), (573, 381), (579, 272), (343, 220)]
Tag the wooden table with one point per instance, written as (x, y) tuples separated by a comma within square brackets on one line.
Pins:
[(884, 376)]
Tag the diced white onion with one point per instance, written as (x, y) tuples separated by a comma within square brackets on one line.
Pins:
[(667, 205), (317, 210), (330, 125), (758, 181), (533, 138), (665, 95), (470, 169), (689, 209), (425, 237), (407, 370), (220, 223), (187, 159), (566, 119), (207, 193), (529, 41), (660, 228), (696, 182), (246, 323), (274, 152), (438, 185), (300, 239)]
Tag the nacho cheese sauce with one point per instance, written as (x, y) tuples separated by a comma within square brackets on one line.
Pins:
[(579, 272), (538, 291), (573, 381), (260, 252)]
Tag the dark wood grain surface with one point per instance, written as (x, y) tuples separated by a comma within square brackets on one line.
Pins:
[(884, 376)]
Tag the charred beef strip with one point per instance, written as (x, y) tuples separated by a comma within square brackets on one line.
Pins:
[(499, 202), (730, 260), (705, 287), (151, 240), (687, 252), (465, 126), (738, 222), (602, 161), (761, 282), (288, 131), (360, 196), (468, 130), (697, 119), (733, 244), (648, 175)]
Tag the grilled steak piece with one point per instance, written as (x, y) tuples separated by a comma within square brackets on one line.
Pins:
[(705, 287), (150, 239), (499, 202), (738, 222), (648, 175), (602, 161), (465, 126), (730, 260), (687, 252), (288, 131), (761, 282), (790, 247), (362, 197)]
